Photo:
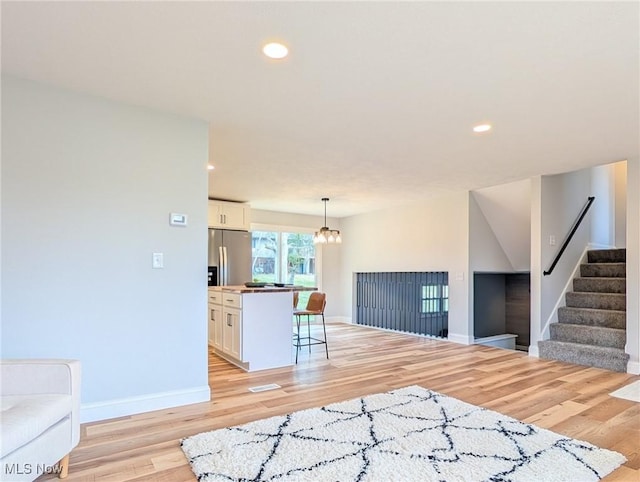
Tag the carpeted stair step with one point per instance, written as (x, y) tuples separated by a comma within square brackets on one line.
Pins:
[(592, 317), (613, 359), (602, 301), (600, 285), (604, 270), (607, 256), (591, 328), (588, 335)]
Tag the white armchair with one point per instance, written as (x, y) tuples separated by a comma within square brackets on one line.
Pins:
[(40, 415)]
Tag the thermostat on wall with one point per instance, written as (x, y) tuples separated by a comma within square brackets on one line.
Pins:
[(176, 219)]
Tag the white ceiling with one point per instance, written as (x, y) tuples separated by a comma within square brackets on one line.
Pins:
[(374, 105)]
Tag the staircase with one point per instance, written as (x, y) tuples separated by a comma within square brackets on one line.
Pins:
[(591, 328)]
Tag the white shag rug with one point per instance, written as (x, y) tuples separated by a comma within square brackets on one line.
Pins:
[(410, 434)]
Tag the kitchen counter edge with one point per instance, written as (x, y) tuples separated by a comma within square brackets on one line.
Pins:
[(266, 289)]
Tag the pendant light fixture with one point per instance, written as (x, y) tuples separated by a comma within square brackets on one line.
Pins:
[(326, 235)]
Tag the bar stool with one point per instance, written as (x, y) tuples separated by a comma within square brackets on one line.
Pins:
[(315, 307)]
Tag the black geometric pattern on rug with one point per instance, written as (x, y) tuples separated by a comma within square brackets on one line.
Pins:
[(407, 434)]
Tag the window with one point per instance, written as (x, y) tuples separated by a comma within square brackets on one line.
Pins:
[(435, 298), (285, 256), (264, 261)]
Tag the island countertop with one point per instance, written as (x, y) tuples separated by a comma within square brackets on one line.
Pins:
[(266, 289)]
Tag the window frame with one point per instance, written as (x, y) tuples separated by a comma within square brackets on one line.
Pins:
[(292, 229), (440, 300)]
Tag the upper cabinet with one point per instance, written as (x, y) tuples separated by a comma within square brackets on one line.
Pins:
[(229, 215)]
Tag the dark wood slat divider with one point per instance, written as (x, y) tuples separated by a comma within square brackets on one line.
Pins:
[(411, 302)]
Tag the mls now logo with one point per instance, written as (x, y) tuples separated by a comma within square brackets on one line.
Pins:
[(28, 469)]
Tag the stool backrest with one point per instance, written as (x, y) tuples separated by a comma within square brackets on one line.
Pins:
[(317, 302)]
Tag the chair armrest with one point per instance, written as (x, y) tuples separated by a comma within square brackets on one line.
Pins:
[(39, 376), (43, 376)]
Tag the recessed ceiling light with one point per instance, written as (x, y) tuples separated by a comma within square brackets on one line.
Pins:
[(275, 50), (482, 128), (210, 167)]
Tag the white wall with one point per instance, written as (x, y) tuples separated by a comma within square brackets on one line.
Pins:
[(87, 188), (633, 265), (556, 204), (609, 211), (507, 210), (306, 221), (536, 276), (621, 204), (602, 212), (485, 251), (432, 235)]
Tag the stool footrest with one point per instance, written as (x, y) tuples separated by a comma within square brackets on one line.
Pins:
[(316, 341)]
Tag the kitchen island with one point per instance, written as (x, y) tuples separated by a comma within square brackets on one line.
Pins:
[(251, 327)]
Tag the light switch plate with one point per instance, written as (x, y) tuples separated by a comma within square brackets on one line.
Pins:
[(158, 260)]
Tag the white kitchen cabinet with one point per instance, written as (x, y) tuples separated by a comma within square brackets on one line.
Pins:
[(225, 323), (228, 215), (215, 326), (251, 329), (232, 332), (215, 319), (210, 324)]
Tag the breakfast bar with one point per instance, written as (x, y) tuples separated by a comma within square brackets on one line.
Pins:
[(251, 327)]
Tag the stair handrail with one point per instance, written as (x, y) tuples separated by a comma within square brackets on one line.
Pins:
[(585, 208)]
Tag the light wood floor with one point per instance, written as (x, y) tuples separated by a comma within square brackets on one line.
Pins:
[(568, 399)]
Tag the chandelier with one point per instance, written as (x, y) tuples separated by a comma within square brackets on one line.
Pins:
[(326, 235)]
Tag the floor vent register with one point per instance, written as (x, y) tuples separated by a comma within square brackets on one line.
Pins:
[(264, 388)]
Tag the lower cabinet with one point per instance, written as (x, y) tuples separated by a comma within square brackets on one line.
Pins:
[(232, 332), (251, 330), (225, 324), (215, 325)]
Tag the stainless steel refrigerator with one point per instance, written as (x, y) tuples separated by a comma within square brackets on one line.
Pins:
[(230, 254)]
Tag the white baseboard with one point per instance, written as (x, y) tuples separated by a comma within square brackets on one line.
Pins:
[(633, 368), (338, 319), (533, 351), (120, 407), (461, 339)]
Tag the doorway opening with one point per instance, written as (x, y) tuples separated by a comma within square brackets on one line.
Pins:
[(502, 309)]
